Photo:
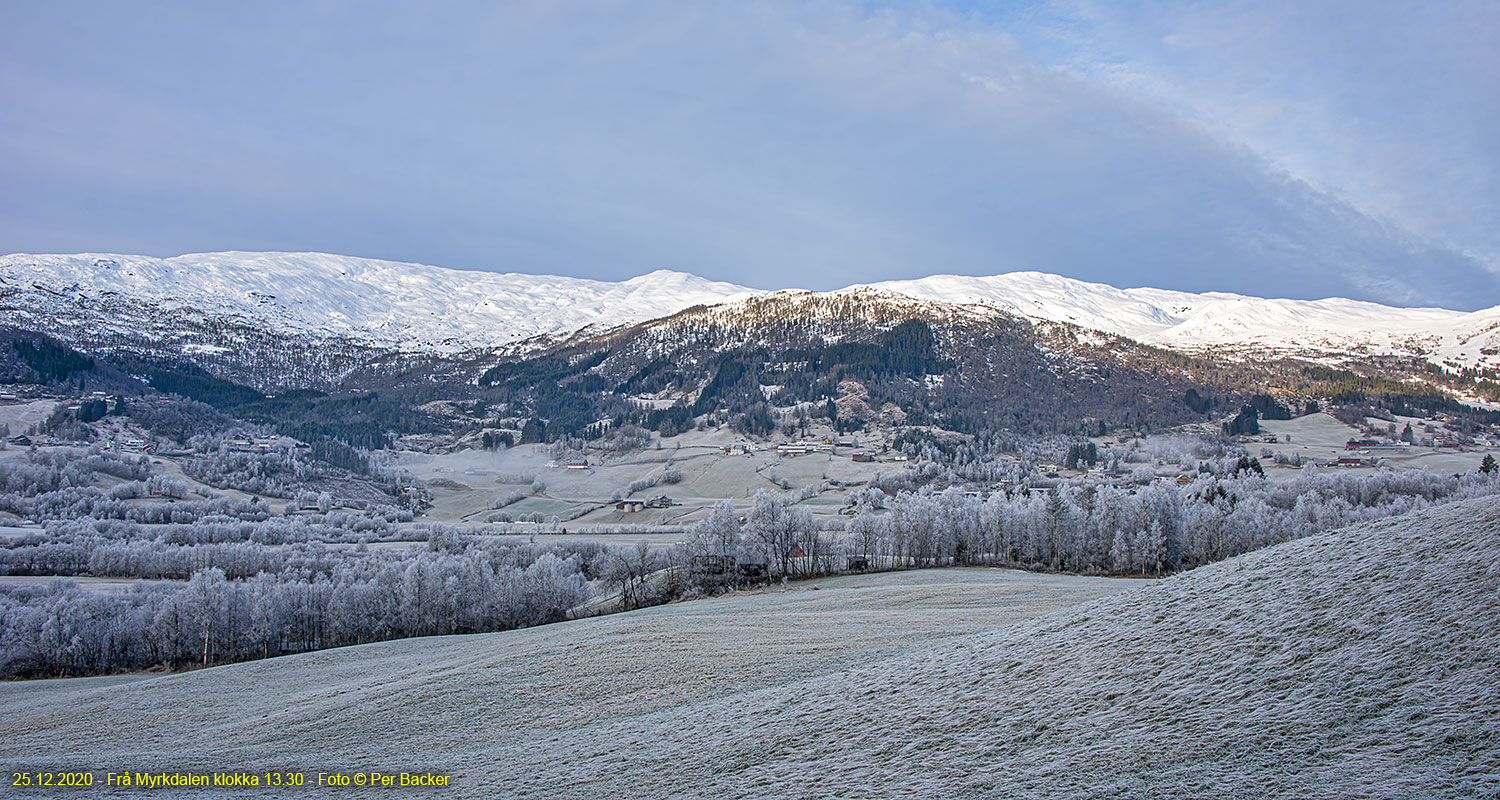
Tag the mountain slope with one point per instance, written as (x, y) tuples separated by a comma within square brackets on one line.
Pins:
[(390, 304), (956, 366), (1363, 662), (286, 321), (380, 303), (1186, 321)]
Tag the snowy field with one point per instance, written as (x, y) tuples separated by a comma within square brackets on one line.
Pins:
[(13, 532), (466, 484), (100, 585), (656, 540), (1321, 437), (1360, 663), (438, 703), (21, 415)]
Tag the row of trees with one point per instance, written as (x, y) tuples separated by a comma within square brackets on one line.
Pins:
[(1076, 526), (226, 581), (368, 596)]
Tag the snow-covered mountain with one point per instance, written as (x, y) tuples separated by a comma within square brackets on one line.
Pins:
[(414, 308), (1186, 321), (383, 303)]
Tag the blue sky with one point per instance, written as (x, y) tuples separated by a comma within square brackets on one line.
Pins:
[(1303, 149)]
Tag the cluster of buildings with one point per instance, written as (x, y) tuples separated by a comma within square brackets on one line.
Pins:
[(632, 505), (803, 447)]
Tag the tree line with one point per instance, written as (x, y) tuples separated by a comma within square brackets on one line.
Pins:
[(1078, 526)]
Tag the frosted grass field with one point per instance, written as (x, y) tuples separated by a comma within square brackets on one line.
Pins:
[(101, 585), (436, 703), (1360, 663)]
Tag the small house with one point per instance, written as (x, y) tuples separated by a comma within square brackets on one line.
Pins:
[(630, 505)]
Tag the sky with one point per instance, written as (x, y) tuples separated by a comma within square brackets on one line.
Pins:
[(1291, 149)]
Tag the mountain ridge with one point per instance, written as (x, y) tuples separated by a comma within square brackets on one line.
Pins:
[(1197, 322), (388, 303), (415, 307)]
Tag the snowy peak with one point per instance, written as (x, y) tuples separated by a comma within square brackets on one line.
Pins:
[(413, 307), (388, 303), (1186, 321)]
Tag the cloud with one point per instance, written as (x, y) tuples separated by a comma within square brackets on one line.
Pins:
[(780, 144), (1390, 107)]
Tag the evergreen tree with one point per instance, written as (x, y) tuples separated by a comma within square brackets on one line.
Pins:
[(533, 431), (92, 410), (1246, 423), (1246, 465)]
